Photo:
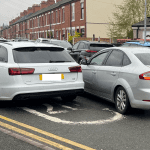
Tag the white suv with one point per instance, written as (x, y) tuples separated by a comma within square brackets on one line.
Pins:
[(29, 70)]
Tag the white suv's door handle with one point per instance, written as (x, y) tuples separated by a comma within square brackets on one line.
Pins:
[(113, 74)]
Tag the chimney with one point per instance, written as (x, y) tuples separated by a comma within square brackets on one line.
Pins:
[(36, 8), (50, 2), (43, 4), (25, 12), (58, 1), (30, 10), (21, 14)]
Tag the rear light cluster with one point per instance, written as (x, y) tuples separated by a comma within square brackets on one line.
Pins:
[(145, 76), (20, 71), (90, 51), (75, 69), (146, 100)]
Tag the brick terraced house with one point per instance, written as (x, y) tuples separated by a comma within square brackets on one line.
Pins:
[(57, 18)]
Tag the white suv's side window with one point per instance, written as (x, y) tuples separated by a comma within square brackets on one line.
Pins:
[(3, 54)]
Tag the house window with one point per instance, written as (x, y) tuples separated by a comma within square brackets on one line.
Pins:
[(78, 30), (38, 21), (42, 20), (73, 31), (63, 12), (59, 16), (56, 17), (63, 34), (35, 22), (57, 35), (82, 32), (52, 18), (82, 10), (73, 11), (46, 19)]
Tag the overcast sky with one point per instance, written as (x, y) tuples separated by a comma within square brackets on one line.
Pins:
[(10, 9)]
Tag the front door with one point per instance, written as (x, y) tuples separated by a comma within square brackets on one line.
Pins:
[(108, 74), (90, 72)]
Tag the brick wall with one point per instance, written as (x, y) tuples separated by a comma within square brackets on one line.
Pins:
[(91, 39)]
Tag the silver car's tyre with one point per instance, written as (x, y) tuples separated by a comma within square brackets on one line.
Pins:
[(68, 98), (122, 101)]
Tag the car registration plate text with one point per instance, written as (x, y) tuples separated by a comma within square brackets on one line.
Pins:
[(51, 77)]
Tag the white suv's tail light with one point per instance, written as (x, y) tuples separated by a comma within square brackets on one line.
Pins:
[(20, 71), (75, 69)]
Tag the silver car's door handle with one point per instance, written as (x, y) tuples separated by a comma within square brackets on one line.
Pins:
[(94, 72), (113, 74)]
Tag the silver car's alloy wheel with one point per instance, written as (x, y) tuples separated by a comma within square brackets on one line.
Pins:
[(122, 100)]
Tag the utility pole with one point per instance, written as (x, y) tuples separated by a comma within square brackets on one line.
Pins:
[(145, 23)]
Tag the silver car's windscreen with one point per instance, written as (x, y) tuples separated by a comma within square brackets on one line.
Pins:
[(144, 58), (98, 47), (62, 43), (41, 55)]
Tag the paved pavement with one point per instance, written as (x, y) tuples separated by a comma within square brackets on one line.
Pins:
[(86, 123)]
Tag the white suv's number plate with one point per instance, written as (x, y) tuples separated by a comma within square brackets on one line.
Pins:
[(51, 77)]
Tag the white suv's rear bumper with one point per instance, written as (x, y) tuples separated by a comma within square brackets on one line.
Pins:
[(9, 93)]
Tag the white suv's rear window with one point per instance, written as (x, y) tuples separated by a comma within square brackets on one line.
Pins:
[(41, 55)]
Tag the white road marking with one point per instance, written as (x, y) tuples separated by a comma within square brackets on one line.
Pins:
[(116, 117), (69, 107), (49, 107), (50, 110)]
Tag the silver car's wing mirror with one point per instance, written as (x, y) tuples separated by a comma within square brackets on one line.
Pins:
[(84, 62)]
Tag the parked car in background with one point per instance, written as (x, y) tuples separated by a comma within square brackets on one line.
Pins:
[(136, 44), (42, 40), (3, 40), (65, 44), (21, 40), (29, 70), (86, 49), (120, 75)]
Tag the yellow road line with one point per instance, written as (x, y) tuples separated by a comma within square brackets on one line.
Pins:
[(47, 134), (34, 136)]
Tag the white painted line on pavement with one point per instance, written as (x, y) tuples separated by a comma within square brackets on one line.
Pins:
[(49, 107), (69, 107), (50, 110), (58, 120)]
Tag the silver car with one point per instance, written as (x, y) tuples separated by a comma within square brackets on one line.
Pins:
[(29, 70), (120, 75)]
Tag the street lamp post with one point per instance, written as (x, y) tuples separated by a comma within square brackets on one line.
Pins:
[(145, 23)]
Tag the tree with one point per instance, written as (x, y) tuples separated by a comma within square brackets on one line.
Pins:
[(70, 38), (47, 34), (127, 14)]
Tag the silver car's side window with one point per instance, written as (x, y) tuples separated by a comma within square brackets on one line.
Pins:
[(98, 60), (126, 60), (3, 54), (115, 58)]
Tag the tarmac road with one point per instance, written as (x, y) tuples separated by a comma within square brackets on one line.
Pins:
[(86, 123)]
